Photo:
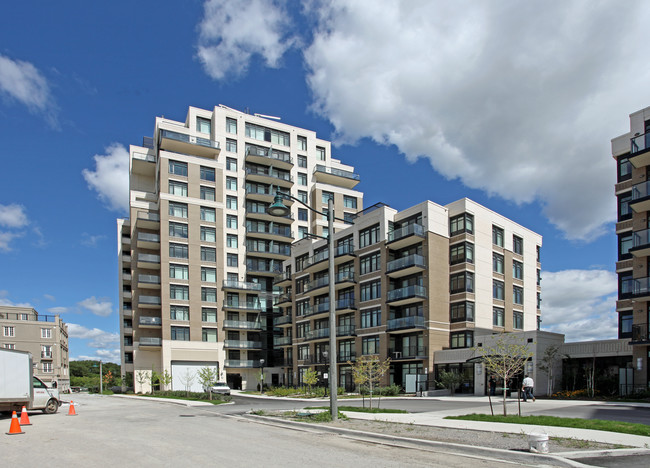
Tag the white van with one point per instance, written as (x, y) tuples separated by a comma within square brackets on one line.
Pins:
[(45, 398)]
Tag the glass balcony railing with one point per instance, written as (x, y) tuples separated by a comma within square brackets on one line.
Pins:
[(189, 139), (271, 249), (639, 143), (414, 321), (317, 334), (148, 237), (337, 172), (345, 330), (242, 344), (405, 262), (320, 308), (318, 283), (151, 300), (410, 230), (149, 258), (150, 341), (409, 291), (281, 340), (344, 249), (641, 287), (151, 321), (149, 279), (640, 333), (345, 277), (242, 324), (640, 190), (408, 352), (347, 303), (145, 215), (283, 320), (144, 157), (273, 230), (268, 153), (244, 305), (269, 173), (241, 363), (242, 285), (641, 238)]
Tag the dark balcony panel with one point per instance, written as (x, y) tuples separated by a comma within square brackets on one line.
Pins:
[(640, 334), (402, 323)]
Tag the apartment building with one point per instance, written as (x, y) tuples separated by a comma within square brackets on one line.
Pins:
[(408, 284), (632, 154), (45, 336), (198, 253)]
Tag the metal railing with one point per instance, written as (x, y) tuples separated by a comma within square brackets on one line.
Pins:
[(149, 279), (641, 238), (283, 320), (144, 157), (408, 352), (640, 333), (148, 237), (155, 321), (336, 172), (250, 363), (273, 230), (406, 262), (639, 143), (242, 344), (347, 303), (149, 258), (268, 173), (317, 334), (150, 341), (268, 153), (318, 283), (243, 306), (152, 300), (27, 317), (345, 330), (233, 284), (242, 324), (146, 216), (282, 340), (409, 291), (189, 139), (414, 321), (410, 230)]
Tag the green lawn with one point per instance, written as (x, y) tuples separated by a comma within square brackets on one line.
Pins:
[(214, 402), (596, 424), (361, 410)]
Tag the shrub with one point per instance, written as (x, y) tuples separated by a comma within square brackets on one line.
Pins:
[(391, 390), (182, 394)]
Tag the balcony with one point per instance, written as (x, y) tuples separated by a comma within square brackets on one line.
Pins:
[(149, 261), (149, 302), (346, 330), (641, 243), (127, 313), (272, 232), (147, 220), (266, 156), (150, 322), (240, 286), (143, 163), (149, 281), (282, 340), (242, 344), (264, 270), (126, 277), (126, 240), (641, 197), (345, 305), (640, 289), (338, 177), (282, 320), (282, 299), (149, 342), (283, 279), (242, 364), (317, 284), (260, 213), (126, 259), (242, 325), (319, 334), (245, 307), (406, 295), (345, 279), (188, 144), (405, 236), (405, 324), (408, 352), (640, 334), (640, 150), (147, 240), (405, 266), (269, 176), (126, 293), (273, 250)]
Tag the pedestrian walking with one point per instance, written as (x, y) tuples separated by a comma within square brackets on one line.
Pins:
[(527, 387), (493, 386)]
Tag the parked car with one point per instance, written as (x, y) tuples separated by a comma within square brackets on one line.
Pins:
[(220, 387)]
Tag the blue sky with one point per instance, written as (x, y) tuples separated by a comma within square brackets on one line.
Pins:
[(511, 104)]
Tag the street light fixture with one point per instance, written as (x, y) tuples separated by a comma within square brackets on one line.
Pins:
[(277, 208), (262, 377)]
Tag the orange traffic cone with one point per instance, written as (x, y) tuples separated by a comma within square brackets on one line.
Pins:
[(71, 411), (15, 426), (24, 418)]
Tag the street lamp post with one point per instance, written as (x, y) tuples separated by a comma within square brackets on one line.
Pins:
[(262, 377), (280, 209)]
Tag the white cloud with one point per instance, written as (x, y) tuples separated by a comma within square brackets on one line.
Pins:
[(580, 303), (101, 307), (91, 241), (105, 355), (110, 179), (98, 338), (57, 310), (231, 33), (7, 302), (23, 82), (509, 97), (13, 216), (6, 238), (49, 297)]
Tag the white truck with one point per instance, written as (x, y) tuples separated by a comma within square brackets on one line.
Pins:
[(18, 387)]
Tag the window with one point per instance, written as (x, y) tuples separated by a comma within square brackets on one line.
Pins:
[(464, 339), (178, 250), (371, 290), (369, 236), (10, 345), (207, 173), (518, 320), (209, 294), (370, 263), (539, 277), (517, 245), (624, 211), (208, 275), (497, 290), (518, 295), (209, 335), (208, 254), (231, 202), (178, 210), (302, 179), (178, 230), (178, 168), (539, 301), (320, 153), (232, 241), (302, 161), (302, 144), (45, 333), (232, 260), (461, 282), (231, 165), (178, 188), (370, 345), (625, 243), (327, 196), (231, 125), (208, 234), (538, 253), (231, 221), (624, 169), (371, 318), (302, 232), (461, 312), (302, 214), (498, 317), (203, 125), (302, 196), (180, 334), (461, 223), (497, 236), (207, 193), (178, 271), (208, 315), (231, 145), (208, 214), (177, 312), (625, 322), (517, 270), (257, 132), (497, 263), (48, 367), (179, 292), (349, 202), (348, 218), (9, 331), (231, 183), (460, 253)]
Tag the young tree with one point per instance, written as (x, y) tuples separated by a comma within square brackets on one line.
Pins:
[(187, 379), (368, 370), (141, 377), (505, 359), (546, 365), (207, 375), (310, 377), (153, 378), (165, 378), (450, 380)]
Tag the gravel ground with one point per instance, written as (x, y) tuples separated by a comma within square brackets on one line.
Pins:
[(467, 437)]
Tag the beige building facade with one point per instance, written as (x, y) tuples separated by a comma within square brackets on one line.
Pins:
[(44, 336)]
